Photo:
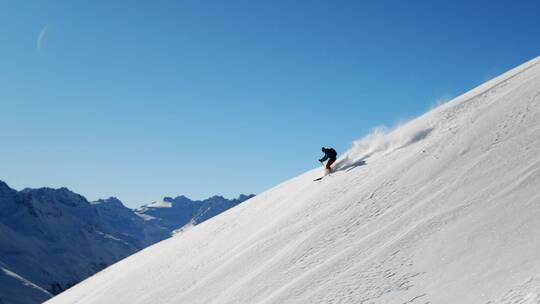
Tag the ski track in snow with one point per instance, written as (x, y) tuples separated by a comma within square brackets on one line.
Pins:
[(443, 209), (527, 293)]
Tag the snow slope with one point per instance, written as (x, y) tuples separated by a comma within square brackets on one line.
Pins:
[(444, 209)]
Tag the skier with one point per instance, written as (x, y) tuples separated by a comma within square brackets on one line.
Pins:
[(330, 154)]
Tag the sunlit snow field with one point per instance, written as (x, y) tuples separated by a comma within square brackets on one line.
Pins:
[(442, 209)]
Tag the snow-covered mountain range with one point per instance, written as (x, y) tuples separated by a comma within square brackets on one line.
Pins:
[(51, 239), (444, 209), (174, 213)]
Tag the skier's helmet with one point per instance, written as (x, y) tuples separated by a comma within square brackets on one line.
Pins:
[(323, 148)]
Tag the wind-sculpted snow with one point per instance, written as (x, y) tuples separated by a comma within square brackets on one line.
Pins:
[(444, 209), (526, 293)]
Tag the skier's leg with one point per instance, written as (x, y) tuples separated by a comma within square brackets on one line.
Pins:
[(329, 163)]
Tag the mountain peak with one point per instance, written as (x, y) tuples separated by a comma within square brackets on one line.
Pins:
[(244, 197), (4, 187), (3, 184), (113, 201), (216, 198), (61, 195)]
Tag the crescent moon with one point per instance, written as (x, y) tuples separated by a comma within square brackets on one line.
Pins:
[(41, 36)]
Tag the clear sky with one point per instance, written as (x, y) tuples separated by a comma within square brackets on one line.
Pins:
[(143, 99)]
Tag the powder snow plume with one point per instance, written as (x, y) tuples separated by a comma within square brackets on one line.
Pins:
[(383, 140)]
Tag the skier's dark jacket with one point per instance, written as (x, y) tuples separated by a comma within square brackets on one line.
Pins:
[(329, 153)]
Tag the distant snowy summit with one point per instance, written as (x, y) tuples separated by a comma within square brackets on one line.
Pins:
[(174, 213), (51, 239)]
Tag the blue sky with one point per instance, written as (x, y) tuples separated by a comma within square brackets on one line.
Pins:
[(142, 99)]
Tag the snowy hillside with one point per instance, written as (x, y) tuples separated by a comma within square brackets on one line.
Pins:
[(444, 209)]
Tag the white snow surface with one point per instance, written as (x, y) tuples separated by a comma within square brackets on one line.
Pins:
[(160, 204), (443, 209)]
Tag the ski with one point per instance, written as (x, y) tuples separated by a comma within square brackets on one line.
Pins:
[(320, 178)]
